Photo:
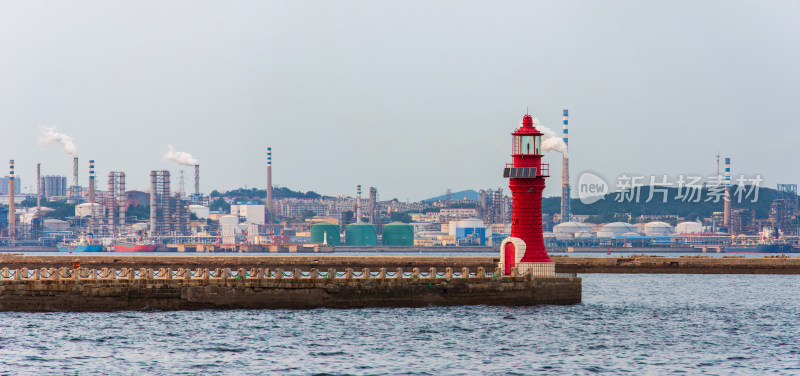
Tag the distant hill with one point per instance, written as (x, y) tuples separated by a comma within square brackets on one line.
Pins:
[(469, 194), (277, 192)]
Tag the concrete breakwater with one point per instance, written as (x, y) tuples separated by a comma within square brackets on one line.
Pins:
[(687, 264), (119, 261), (82, 289), (652, 264)]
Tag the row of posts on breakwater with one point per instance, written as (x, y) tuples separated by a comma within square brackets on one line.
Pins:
[(165, 274)]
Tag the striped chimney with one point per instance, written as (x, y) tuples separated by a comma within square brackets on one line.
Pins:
[(12, 218), (727, 208), (358, 205), (269, 185), (91, 184), (565, 191)]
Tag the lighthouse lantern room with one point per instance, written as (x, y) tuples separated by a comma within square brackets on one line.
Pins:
[(523, 252)]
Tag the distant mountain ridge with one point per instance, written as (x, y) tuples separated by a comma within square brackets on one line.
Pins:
[(469, 194)]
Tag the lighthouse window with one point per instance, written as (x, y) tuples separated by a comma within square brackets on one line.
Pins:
[(528, 146)]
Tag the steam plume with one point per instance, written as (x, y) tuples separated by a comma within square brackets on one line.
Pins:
[(550, 141), (180, 157), (51, 134)]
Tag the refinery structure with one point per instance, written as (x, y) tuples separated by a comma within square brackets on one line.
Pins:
[(169, 219)]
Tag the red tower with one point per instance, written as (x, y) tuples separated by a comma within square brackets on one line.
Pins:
[(524, 249)]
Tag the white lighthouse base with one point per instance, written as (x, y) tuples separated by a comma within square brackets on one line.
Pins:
[(536, 269)]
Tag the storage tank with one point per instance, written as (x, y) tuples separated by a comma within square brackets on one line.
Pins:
[(85, 209), (398, 234), (689, 228), (570, 228), (321, 231), (616, 229), (658, 229), (228, 219), (201, 211), (360, 233)]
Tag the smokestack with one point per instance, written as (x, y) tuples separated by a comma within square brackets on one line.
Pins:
[(565, 194), (111, 204), (153, 211), (122, 199), (38, 188), (91, 185), (92, 212), (75, 172), (373, 197), (12, 218), (269, 185), (196, 182), (358, 205), (727, 210)]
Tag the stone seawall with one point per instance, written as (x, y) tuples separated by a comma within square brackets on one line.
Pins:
[(164, 289), (563, 264), (678, 265), (308, 261)]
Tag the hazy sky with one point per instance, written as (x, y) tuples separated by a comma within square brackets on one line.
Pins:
[(412, 97)]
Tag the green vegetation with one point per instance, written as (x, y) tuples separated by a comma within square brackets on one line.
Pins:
[(220, 205), (277, 192), (61, 211), (28, 202), (139, 211), (401, 217)]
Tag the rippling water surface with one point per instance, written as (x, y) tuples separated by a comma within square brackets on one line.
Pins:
[(627, 324)]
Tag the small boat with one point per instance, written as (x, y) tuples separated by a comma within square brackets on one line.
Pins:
[(134, 245), (82, 244)]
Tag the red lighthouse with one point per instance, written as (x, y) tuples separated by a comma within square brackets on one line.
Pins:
[(524, 249)]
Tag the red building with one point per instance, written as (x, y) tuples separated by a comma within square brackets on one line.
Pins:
[(524, 249)]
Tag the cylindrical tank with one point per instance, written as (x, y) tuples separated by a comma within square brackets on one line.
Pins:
[(201, 211), (658, 229), (689, 228), (570, 228), (85, 209), (616, 229), (360, 234), (228, 219), (322, 230), (398, 234)]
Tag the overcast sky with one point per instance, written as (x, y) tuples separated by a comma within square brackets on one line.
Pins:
[(412, 97)]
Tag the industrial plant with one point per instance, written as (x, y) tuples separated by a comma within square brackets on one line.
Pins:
[(82, 218)]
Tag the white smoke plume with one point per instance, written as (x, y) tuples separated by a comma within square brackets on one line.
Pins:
[(550, 140), (51, 134), (179, 157)]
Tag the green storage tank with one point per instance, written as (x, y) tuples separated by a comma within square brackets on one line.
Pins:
[(320, 230), (398, 234), (360, 234)]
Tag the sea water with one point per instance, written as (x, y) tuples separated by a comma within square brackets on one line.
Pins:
[(627, 324)]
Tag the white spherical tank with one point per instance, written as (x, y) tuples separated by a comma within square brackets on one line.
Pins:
[(570, 228), (689, 228), (616, 229), (658, 229), (228, 219), (85, 209), (201, 211)]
